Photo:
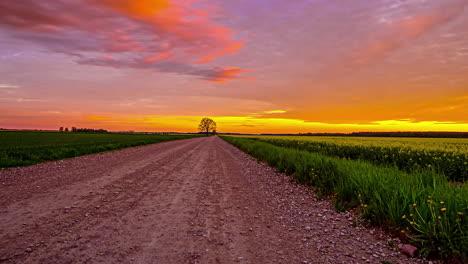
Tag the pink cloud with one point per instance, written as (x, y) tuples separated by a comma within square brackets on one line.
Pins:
[(401, 31), (132, 32), (158, 57)]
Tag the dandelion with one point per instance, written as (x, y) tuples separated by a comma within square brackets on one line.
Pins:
[(414, 205), (411, 223), (442, 202), (403, 231), (403, 217), (443, 210), (411, 215), (460, 213)]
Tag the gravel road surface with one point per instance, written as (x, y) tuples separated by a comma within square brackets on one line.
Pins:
[(198, 200)]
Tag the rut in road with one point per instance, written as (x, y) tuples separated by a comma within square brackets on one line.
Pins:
[(190, 201)]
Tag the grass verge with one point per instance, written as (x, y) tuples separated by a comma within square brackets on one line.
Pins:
[(427, 208)]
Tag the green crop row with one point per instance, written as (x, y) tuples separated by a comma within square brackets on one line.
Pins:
[(422, 204), (20, 148), (452, 164)]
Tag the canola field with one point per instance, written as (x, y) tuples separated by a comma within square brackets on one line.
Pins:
[(447, 156)]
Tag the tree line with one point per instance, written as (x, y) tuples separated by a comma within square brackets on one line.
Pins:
[(82, 130)]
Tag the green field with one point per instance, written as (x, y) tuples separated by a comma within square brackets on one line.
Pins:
[(420, 202), (22, 148), (448, 156)]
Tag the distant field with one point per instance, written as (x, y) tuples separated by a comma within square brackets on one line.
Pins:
[(448, 156), (22, 148), (398, 183)]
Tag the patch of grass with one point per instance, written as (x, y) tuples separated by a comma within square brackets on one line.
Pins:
[(23, 148), (384, 194)]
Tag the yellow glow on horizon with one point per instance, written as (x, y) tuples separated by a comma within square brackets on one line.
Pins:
[(252, 124)]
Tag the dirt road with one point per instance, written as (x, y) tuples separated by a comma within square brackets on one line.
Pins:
[(191, 201)]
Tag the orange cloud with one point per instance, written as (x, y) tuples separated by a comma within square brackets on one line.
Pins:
[(171, 16), (163, 35), (139, 8), (230, 73)]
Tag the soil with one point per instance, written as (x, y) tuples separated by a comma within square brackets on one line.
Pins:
[(198, 200)]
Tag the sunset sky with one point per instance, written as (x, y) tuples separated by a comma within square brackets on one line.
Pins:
[(254, 66)]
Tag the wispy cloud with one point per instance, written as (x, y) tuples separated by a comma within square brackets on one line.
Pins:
[(130, 33), (8, 56), (27, 100), (275, 112), (402, 30), (8, 86)]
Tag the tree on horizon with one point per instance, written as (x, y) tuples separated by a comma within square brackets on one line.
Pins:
[(207, 125)]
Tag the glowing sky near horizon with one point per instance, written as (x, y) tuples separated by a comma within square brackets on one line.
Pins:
[(256, 66)]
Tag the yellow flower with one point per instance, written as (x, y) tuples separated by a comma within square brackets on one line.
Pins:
[(411, 215), (403, 217), (429, 197), (403, 231), (460, 213), (442, 202), (365, 206), (443, 210), (359, 196), (439, 217), (411, 223), (414, 205)]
